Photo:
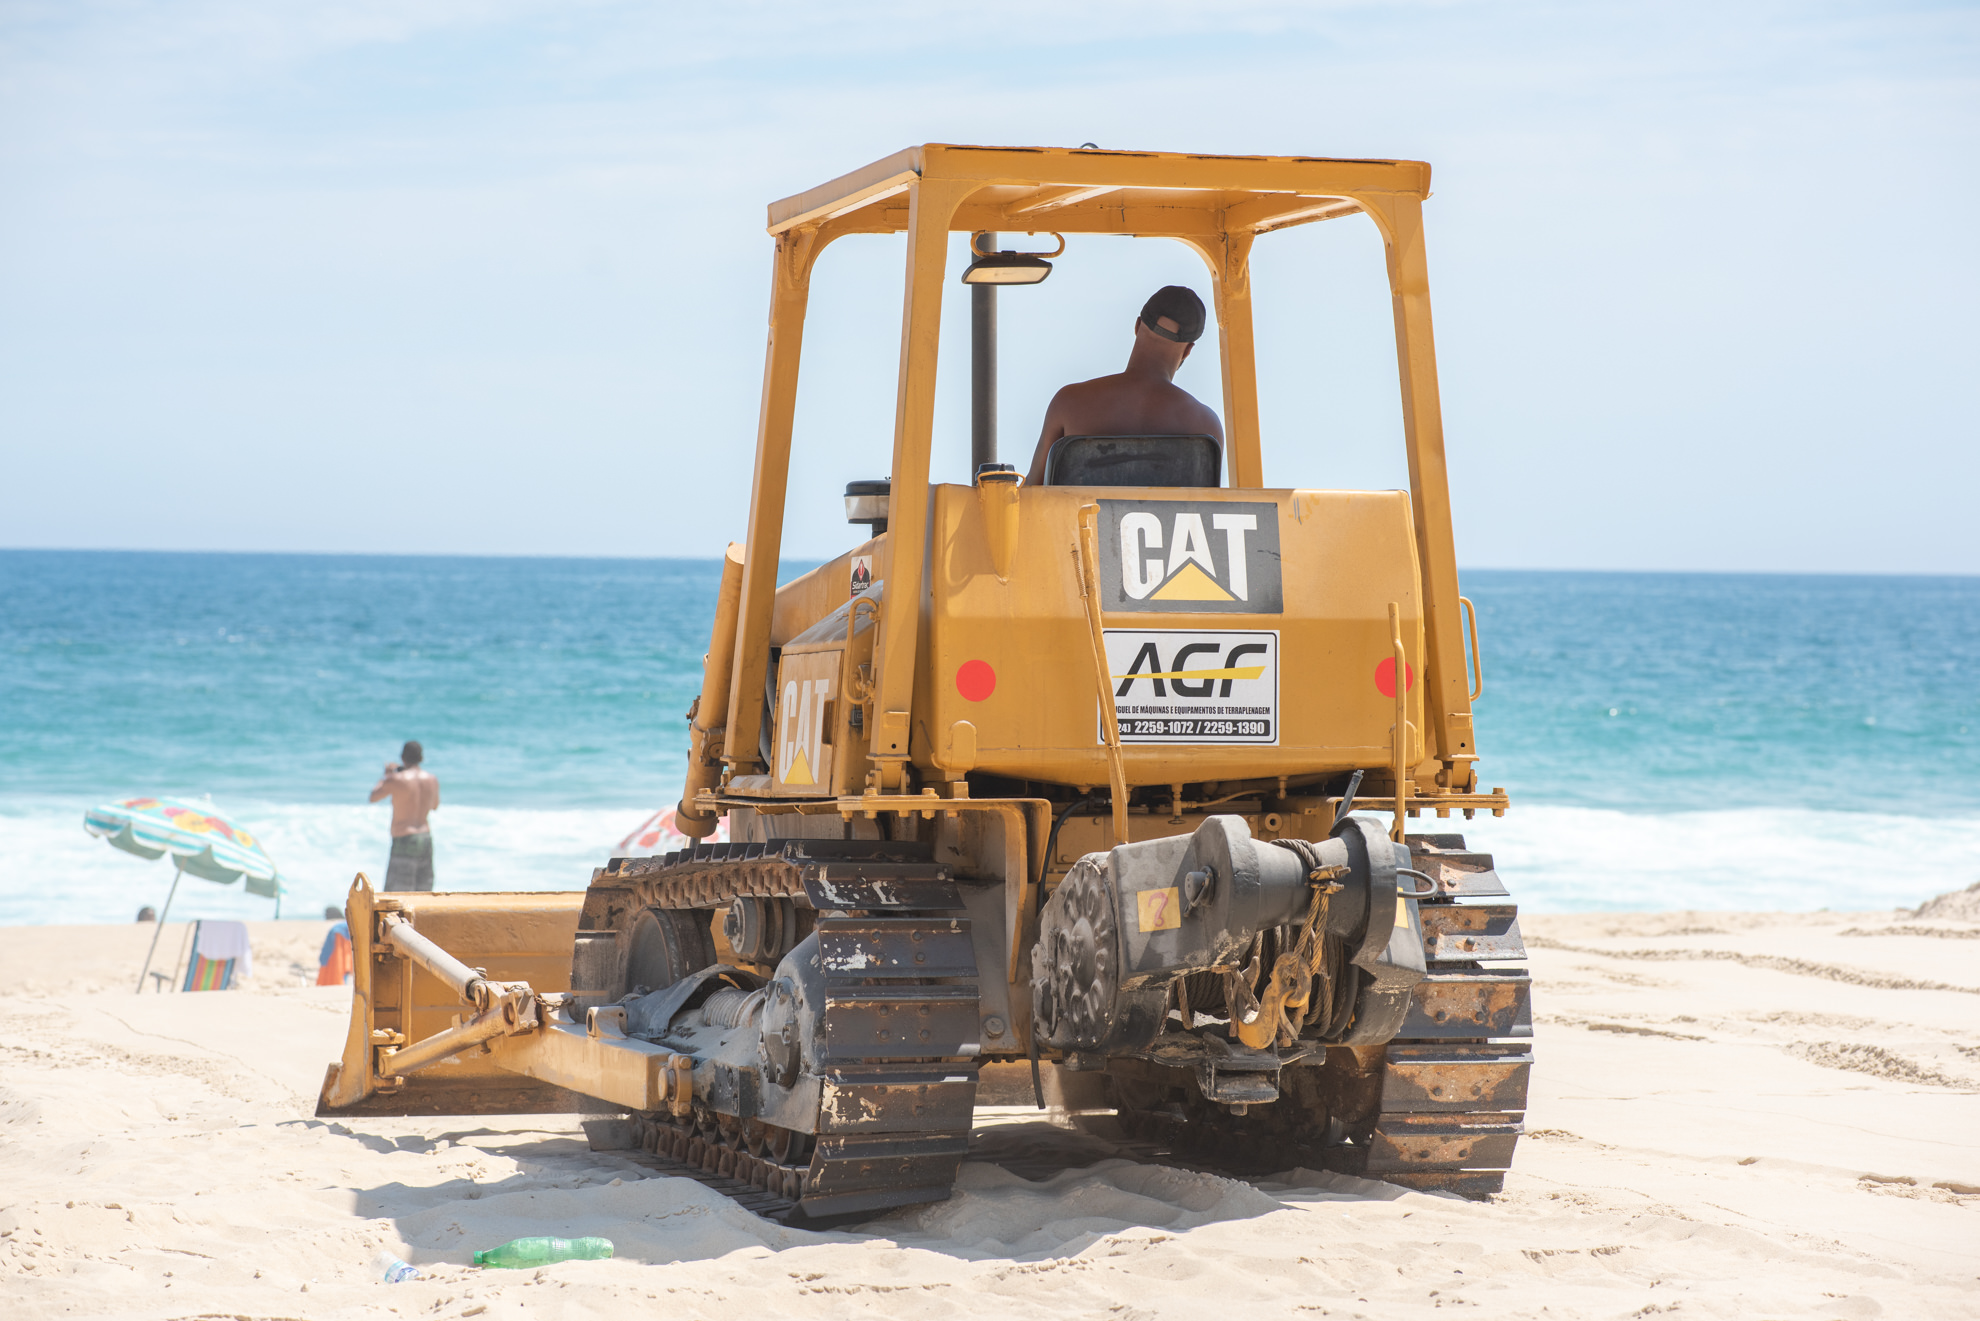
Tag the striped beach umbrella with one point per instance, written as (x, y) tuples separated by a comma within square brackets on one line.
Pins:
[(199, 841), (659, 834)]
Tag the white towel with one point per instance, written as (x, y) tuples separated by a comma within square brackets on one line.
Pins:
[(221, 941)]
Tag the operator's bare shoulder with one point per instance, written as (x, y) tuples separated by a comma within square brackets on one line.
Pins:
[(1098, 387), (1212, 424), (1084, 406)]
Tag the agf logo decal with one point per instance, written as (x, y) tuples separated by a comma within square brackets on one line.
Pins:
[(1195, 686)]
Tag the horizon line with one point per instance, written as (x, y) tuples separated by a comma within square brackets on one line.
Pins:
[(716, 559)]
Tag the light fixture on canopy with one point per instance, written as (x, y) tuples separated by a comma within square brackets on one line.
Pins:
[(1009, 267)]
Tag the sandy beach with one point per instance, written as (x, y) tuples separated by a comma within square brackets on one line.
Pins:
[(1739, 1115)]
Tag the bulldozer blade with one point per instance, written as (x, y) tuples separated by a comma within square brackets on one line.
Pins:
[(515, 937), (500, 1094)]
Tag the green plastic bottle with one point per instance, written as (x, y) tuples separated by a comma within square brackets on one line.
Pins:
[(523, 1253)]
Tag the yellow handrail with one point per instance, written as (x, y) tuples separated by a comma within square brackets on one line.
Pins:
[(1089, 588), (1401, 676), (1471, 634)]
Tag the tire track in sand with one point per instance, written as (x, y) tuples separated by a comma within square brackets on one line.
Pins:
[(1834, 972)]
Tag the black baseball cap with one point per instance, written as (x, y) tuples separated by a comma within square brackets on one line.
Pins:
[(1180, 304)]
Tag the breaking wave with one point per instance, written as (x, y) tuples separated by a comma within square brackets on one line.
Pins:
[(1554, 858)]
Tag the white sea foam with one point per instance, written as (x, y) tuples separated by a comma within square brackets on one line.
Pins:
[(50, 871), (1567, 859), (1554, 858)]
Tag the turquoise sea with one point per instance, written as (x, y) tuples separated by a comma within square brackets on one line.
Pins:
[(1670, 740)]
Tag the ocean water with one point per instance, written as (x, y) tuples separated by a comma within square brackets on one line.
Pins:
[(1670, 740)]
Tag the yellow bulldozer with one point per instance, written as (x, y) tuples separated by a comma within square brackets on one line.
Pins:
[(1053, 781)]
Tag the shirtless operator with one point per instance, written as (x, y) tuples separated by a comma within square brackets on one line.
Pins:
[(1143, 399), (414, 793)]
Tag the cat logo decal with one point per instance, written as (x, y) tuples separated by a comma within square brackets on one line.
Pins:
[(1190, 557)]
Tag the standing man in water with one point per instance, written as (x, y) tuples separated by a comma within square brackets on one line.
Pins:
[(1142, 399), (414, 793)]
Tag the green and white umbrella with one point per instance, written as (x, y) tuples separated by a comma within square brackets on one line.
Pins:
[(199, 841)]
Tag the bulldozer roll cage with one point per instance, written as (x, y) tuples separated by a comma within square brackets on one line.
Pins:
[(1217, 206)]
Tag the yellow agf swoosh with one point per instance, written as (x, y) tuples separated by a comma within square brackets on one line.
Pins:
[(1236, 672)]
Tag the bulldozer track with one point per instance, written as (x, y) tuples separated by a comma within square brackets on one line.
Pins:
[(1442, 1108), (814, 873), (899, 1027), (1444, 1105), (1454, 1084), (751, 1190)]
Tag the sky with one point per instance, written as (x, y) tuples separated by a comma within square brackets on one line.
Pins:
[(440, 276)]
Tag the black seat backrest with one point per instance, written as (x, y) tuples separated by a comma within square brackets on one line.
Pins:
[(1134, 461)]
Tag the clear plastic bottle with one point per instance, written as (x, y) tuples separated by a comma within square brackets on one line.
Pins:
[(523, 1253), (391, 1270)]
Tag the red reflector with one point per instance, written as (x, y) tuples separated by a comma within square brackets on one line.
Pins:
[(975, 680)]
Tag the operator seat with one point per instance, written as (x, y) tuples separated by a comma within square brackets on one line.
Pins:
[(1134, 461)]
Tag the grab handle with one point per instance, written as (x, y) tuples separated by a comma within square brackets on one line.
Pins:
[(1425, 877), (1087, 553), (1470, 613), (1400, 748)]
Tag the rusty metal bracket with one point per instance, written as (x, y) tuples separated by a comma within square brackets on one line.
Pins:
[(680, 1092), (1226, 1072)]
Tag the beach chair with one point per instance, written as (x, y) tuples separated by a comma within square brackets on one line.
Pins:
[(220, 956), (334, 963)]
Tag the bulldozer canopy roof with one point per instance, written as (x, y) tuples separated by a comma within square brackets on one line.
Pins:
[(1089, 191)]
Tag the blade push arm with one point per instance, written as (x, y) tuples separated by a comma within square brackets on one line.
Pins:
[(504, 1008), (517, 1050)]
